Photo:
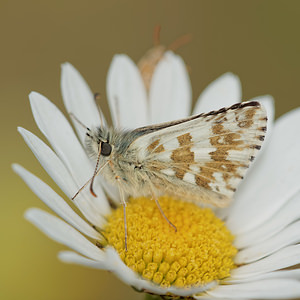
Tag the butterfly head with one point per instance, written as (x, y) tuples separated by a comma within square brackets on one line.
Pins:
[(97, 142)]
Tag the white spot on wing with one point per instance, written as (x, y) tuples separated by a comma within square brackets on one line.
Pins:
[(169, 172), (219, 184), (234, 181), (163, 156), (195, 168), (188, 177), (202, 154), (201, 134), (170, 144)]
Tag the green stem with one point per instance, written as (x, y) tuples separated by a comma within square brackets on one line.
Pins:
[(152, 297), (165, 297)]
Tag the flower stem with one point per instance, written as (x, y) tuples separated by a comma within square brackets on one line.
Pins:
[(152, 297)]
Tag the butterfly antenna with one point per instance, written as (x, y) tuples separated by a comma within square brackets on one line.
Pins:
[(101, 118), (100, 169), (183, 40), (78, 121), (117, 111), (97, 97), (156, 35), (75, 195)]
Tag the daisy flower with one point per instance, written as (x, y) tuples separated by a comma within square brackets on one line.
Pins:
[(245, 251)]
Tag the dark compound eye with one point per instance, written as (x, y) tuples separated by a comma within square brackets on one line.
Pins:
[(105, 149)]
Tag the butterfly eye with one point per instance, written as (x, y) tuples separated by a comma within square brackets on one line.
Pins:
[(105, 148)]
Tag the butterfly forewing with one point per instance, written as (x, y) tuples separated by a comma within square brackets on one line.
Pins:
[(204, 155)]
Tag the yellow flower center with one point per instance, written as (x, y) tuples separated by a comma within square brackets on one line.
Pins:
[(199, 252)]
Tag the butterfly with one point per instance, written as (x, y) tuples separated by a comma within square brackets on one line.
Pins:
[(201, 159)]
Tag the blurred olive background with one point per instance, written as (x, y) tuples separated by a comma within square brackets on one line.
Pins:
[(258, 40)]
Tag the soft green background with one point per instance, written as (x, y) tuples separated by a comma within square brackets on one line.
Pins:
[(258, 40)]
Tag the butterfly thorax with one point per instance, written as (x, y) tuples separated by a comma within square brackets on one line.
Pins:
[(122, 163)]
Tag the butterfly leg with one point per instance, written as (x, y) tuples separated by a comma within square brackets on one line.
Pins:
[(96, 173), (124, 209), (162, 212)]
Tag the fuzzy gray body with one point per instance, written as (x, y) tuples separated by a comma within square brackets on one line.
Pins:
[(125, 168)]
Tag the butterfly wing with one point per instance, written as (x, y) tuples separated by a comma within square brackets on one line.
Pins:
[(203, 157)]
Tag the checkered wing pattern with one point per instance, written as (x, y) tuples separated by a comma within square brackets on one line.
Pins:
[(204, 156)]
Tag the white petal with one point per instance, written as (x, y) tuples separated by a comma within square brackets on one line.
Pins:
[(50, 162), (288, 236), (284, 258), (290, 274), (224, 91), (170, 91), (204, 296), (79, 100), (55, 168), (59, 133), (264, 289), (116, 265), (63, 233), (273, 181), (209, 297), (93, 208), (61, 136), (71, 257), (56, 203), (126, 274), (289, 213), (191, 291), (126, 94)]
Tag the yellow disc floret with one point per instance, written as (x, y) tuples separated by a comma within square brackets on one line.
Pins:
[(198, 252)]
